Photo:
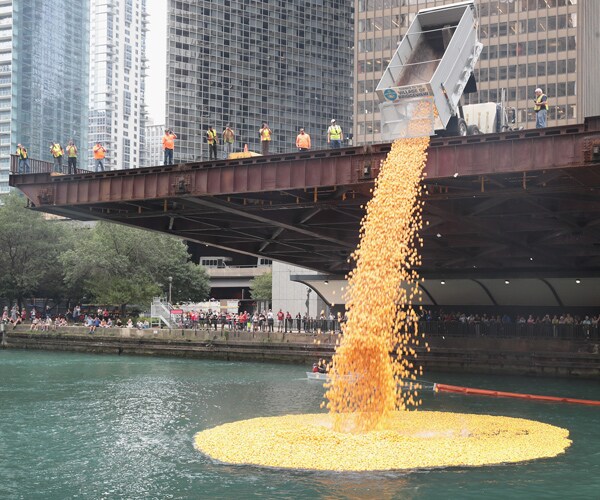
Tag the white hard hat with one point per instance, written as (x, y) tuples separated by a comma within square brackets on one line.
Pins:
[(539, 90), (333, 120)]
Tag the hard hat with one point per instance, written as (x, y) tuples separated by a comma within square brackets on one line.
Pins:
[(333, 120), (539, 90)]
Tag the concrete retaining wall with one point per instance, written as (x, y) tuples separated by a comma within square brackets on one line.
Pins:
[(550, 357)]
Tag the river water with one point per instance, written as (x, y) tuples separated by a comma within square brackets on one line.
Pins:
[(102, 426)]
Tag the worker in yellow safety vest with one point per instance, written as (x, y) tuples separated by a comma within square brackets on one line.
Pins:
[(213, 140), (334, 135), (72, 157), (540, 106), (23, 159), (57, 153), (228, 140), (265, 138)]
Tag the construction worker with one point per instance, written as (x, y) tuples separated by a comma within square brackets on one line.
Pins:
[(72, 158), (303, 141), (57, 153), (99, 155), (540, 106), (334, 135), (213, 140), (228, 140), (168, 143), (23, 159), (265, 134)]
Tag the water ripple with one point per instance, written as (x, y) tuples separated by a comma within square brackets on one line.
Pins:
[(84, 426)]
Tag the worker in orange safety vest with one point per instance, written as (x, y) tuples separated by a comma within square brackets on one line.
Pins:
[(99, 155), (168, 143), (303, 141)]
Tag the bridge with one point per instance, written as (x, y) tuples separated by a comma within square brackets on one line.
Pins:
[(516, 205)]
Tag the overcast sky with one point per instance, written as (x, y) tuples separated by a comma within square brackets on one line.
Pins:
[(156, 52)]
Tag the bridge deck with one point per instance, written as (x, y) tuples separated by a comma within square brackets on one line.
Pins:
[(524, 202)]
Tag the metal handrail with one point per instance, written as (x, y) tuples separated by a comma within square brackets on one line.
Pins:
[(40, 167)]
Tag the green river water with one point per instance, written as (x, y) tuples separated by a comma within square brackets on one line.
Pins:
[(101, 426)]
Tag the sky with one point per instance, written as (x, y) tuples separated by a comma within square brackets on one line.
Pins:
[(156, 52)]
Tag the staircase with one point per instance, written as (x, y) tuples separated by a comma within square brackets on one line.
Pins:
[(160, 310)]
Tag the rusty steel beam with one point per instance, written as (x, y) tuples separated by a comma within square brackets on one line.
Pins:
[(492, 200), (522, 151)]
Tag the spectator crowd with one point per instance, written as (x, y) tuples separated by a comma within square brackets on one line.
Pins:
[(432, 322)]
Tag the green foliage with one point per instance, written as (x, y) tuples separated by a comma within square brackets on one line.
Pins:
[(107, 263), (121, 265), (29, 249), (261, 287)]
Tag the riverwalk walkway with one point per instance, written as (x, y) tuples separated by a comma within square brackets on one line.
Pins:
[(520, 356)]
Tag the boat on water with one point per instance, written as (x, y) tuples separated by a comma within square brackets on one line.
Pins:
[(323, 377)]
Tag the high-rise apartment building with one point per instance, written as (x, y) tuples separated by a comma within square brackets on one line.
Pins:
[(43, 77), (117, 69), (552, 44), (286, 62), (153, 152)]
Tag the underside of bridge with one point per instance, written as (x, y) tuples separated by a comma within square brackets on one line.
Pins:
[(513, 205)]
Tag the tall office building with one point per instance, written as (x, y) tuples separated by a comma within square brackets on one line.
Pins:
[(118, 63), (43, 77), (286, 62), (551, 44)]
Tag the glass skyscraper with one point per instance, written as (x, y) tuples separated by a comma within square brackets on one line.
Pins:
[(552, 44), (286, 62), (43, 77)]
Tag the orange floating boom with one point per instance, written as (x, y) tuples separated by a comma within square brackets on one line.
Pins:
[(500, 394)]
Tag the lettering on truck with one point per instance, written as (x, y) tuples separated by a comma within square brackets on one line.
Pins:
[(397, 93)]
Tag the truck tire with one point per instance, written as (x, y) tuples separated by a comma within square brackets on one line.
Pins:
[(473, 130), (462, 127), (456, 126)]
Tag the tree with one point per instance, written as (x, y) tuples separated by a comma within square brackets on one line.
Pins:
[(261, 287), (122, 265), (29, 251)]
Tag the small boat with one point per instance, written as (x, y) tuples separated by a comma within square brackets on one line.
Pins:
[(323, 377)]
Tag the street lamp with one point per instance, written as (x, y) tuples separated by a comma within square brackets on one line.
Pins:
[(170, 278)]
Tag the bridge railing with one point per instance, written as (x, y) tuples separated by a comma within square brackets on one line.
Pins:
[(41, 166)]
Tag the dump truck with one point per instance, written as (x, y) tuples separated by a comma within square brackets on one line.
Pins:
[(429, 73), (489, 117)]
